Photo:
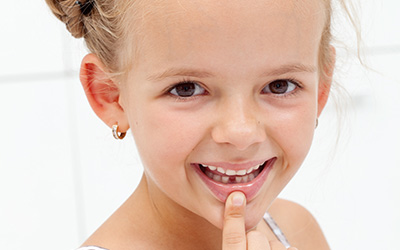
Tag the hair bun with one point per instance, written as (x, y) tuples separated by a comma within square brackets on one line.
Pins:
[(69, 13)]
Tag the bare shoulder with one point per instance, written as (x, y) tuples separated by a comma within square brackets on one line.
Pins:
[(298, 225)]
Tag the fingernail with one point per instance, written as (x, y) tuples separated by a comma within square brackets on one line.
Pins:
[(238, 199)]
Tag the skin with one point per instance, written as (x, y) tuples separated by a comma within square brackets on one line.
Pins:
[(233, 51)]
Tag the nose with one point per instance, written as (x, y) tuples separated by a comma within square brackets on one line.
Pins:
[(237, 124)]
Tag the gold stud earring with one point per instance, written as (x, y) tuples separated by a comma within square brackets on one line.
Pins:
[(117, 135)]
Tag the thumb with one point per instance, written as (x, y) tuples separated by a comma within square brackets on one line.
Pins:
[(234, 233)]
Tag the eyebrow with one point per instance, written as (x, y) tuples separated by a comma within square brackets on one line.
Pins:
[(174, 72), (291, 68)]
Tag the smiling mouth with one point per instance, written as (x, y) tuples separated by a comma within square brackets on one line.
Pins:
[(228, 176)]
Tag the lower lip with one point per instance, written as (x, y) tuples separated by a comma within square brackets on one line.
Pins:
[(250, 189)]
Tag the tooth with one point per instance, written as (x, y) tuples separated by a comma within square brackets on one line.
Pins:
[(221, 170), (230, 172), (217, 178), (256, 167), (209, 174), (239, 179), (212, 168), (251, 177), (241, 172), (250, 170), (225, 179), (245, 178)]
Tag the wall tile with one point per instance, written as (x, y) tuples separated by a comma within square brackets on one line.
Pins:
[(31, 39), (37, 181), (379, 25)]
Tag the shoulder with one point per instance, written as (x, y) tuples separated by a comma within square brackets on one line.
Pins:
[(298, 224)]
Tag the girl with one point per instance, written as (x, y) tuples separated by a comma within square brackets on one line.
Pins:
[(222, 98)]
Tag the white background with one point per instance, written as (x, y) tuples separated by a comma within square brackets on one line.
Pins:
[(62, 174)]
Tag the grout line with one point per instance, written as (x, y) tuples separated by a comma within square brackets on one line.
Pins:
[(22, 78), (76, 164), (80, 208), (382, 50)]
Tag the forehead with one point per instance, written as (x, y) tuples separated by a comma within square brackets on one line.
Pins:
[(196, 31)]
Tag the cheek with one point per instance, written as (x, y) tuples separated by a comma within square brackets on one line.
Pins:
[(298, 136), (292, 130), (165, 137)]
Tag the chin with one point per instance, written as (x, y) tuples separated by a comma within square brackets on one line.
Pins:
[(250, 225), (252, 219)]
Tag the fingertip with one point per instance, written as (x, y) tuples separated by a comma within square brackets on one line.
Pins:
[(234, 233), (235, 205), (238, 199)]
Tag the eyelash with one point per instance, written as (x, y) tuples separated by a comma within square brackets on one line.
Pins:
[(298, 86), (180, 98)]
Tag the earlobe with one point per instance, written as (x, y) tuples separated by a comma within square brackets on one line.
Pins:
[(325, 83), (102, 92)]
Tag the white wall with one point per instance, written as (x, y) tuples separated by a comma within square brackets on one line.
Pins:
[(62, 174)]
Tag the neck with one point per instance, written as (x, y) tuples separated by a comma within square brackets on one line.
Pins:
[(171, 224)]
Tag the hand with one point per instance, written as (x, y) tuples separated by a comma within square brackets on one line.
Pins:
[(234, 232)]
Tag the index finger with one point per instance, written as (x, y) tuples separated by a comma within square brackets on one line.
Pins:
[(234, 232)]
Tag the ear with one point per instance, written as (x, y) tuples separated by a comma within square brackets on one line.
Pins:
[(102, 92), (325, 81)]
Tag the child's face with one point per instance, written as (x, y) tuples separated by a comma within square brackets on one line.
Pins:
[(248, 96)]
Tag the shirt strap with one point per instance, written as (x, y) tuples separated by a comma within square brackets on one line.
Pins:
[(276, 230)]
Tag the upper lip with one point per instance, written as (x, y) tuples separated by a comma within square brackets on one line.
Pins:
[(234, 166)]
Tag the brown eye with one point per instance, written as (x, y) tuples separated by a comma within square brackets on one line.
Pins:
[(280, 87), (187, 89)]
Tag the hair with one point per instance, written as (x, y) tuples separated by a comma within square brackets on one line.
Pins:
[(102, 29), (105, 32)]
